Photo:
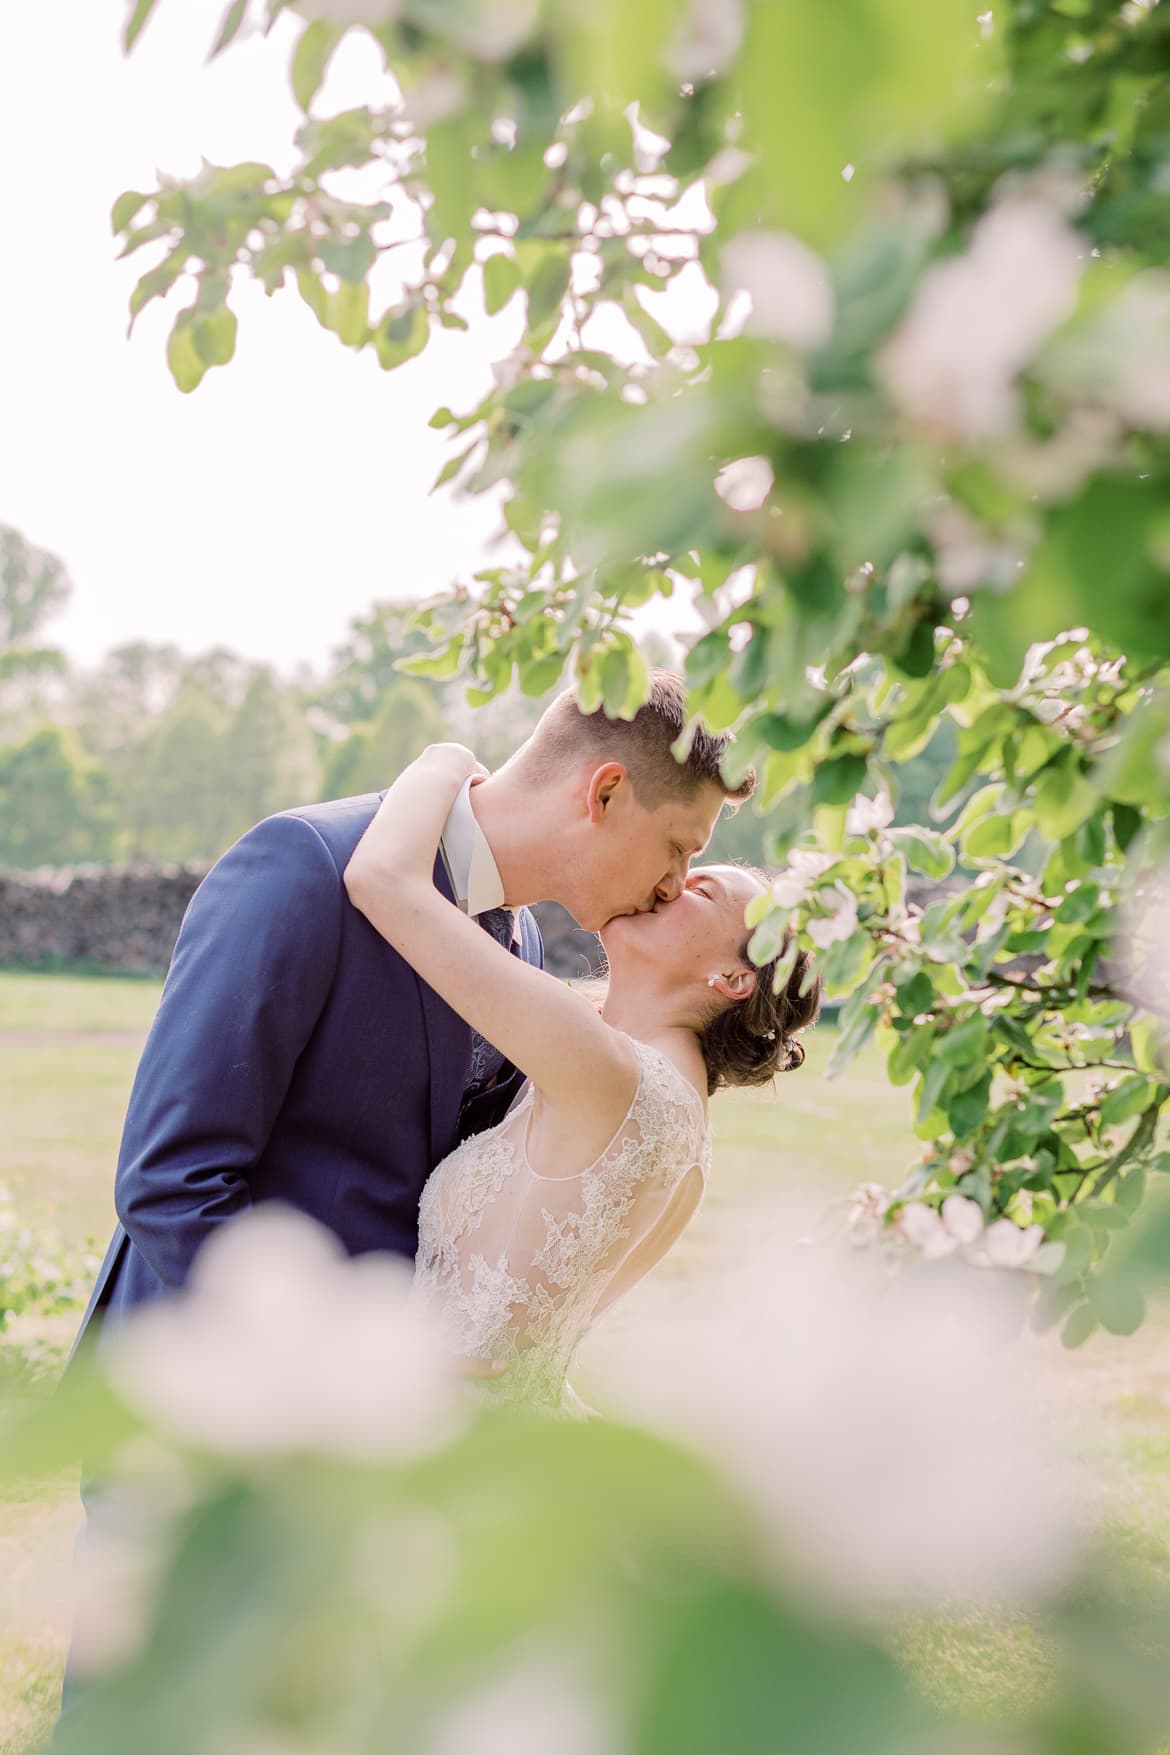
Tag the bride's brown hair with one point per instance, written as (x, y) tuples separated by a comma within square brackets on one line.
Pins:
[(751, 1040)]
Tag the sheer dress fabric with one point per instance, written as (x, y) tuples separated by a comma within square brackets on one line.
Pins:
[(515, 1265)]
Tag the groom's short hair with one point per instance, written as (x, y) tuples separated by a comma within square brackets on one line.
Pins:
[(642, 744)]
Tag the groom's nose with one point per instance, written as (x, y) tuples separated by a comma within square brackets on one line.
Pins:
[(670, 888)]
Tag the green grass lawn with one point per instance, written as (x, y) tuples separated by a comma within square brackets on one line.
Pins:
[(68, 1049)]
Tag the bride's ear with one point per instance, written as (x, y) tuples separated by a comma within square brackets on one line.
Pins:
[(739, 984)]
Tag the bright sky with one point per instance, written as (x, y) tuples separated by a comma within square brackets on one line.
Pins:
[(290, 490)]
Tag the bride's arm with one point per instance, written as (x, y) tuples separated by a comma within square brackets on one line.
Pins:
[(551, 1033)]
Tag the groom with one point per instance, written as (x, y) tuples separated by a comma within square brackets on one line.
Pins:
[(295, 1055)]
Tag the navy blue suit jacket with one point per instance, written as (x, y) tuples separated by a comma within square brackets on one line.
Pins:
[(294, 1055)]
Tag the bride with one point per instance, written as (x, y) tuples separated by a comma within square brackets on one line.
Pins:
[(528, 1231)]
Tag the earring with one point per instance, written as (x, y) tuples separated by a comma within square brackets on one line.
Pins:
[(711, 980)]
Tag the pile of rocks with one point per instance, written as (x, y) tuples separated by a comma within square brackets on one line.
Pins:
[(127, 920), (95, 917)]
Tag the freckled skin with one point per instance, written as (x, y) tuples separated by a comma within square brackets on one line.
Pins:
[(693, 936)]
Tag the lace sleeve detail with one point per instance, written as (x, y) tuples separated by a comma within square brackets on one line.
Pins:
[(518, 1262)]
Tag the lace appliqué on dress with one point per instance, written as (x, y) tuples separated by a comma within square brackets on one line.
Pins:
[(513, 1263)]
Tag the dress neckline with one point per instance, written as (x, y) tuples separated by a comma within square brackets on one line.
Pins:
[(575, 1175)]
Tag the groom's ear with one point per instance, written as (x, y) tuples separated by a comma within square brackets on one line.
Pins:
[(604, 784)]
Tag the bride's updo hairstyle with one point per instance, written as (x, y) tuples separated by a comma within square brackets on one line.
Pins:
[(749, 1041)]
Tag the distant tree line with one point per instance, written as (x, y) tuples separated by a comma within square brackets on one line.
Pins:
[(158, 755)]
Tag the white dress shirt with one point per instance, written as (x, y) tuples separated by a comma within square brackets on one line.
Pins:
[(471, 866)]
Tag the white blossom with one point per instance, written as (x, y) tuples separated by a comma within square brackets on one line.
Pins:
[(745, 484), (922, 1226), (802, 874), (978, 319), (282, 1343), (962, 1216), (1008, 1245), (789, 287), (840, 921), (865, 1415), (868, 1205), (866, 814)]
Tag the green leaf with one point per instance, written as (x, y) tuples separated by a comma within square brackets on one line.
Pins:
[(991, 838), (1116, 1300), (926, 851), (839, 780), (349, 258), (966, 1109), (442, 664), (1079, 1325), (311, 57), (402, 336), (932, 1089), (547, 287), (215, 336), (348, 313), (540, 675), (138, 17), (124, 209), (502, 274), (965, 1043), (856, 1024), (233, 18), (1064, 798), (315, 295), (1129, 1099), (186, 363)]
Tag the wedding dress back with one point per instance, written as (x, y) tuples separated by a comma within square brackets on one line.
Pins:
[(516, 1264)]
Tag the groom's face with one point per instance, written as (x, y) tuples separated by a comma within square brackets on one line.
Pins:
[(634, 856)]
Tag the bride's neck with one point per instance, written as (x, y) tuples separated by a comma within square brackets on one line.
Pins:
[(644, 1011)]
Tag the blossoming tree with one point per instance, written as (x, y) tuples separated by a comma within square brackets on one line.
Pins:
[(852, 323)]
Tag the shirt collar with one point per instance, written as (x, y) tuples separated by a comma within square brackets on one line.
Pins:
[(470, 863)]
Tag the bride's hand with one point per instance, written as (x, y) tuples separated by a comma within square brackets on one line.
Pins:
[(400, 841), (454, 761)]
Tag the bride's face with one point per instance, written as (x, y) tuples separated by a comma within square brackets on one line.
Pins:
[(698, 935)]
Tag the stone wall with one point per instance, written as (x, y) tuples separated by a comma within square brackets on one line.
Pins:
[(126, 921)]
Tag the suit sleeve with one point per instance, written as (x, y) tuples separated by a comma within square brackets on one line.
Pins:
[(251, 970)]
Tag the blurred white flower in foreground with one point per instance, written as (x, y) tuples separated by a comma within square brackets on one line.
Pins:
[(979, 318), (789, 286), (282, 1342), (539, 1703), (745, 483), (708, 38), (886, 1427)]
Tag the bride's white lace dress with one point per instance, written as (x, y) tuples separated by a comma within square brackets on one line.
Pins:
[(516, 1265)]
